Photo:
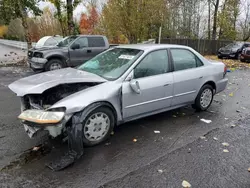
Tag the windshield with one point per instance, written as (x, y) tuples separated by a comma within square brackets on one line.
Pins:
[(234, 45), (66, 41), (112, 63), (41, 42)]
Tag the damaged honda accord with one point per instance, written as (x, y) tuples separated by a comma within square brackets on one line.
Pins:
[(119, 85)]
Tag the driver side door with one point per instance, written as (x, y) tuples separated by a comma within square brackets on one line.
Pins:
[(155, 86), (80, 55)]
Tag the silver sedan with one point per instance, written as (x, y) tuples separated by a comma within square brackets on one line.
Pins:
[(119, 85)]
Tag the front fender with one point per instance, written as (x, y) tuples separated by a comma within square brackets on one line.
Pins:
[(109, 92)]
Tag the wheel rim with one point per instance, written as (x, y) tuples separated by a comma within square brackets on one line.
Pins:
[(96, 126), (206, 98), (55, 66)]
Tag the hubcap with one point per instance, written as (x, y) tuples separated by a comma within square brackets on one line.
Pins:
[(55, 66), (96, 126), (206, 98)]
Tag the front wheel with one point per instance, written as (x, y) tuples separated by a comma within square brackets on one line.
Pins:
[(98, 126), (54, 64), (204, 98)]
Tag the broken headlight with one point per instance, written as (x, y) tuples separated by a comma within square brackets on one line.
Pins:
[(38, 55), (41, 116)]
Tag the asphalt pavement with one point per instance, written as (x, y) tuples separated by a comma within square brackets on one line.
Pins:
[(185, 149)]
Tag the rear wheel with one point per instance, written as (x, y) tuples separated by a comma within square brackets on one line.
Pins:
[(98, 126), (204, 98), (54, 64)]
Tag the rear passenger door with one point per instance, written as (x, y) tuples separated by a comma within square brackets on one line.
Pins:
[(188, 75)]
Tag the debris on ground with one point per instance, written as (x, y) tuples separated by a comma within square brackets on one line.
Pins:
[(36, 148), (238, 111), (215, 138), (107, 144), (206, 120), (202, 137), (112, 133), (233, 125), (248, 169), (189, 150), (174, 116), (157, 132), (160, 171), (186, 184), (225, 151), (134, 140), (231, 94), (225, 144)]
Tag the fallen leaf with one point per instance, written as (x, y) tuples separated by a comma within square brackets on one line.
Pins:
[(225, 144), (160, 171), (231, 94), (134, 140), (174, 116), (112, 133), (107, 144), (238, 111), (186, 184), (202, 137), (189, 150), (248, 169), (215, 138), (243, 108), (157, 132), (225, 151), (206, 120), (183, 114), (226, 118)]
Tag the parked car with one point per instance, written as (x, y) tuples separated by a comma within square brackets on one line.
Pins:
[(48, 41), (119, 85), (71, 51), (232, 50), (245, 55)]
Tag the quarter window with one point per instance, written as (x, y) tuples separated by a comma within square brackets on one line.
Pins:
[(184, 59), (153, 64)]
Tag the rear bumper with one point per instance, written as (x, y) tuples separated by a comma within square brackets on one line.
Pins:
[(221, 85), (37, 63)]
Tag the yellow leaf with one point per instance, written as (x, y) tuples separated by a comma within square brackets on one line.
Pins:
[(231, 94)]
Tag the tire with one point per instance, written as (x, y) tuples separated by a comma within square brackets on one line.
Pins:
[(243, 60), (87, 140), (53, 63), (203, 106), (219, 57)]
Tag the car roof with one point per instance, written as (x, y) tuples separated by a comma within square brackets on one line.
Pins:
[(151, 46)]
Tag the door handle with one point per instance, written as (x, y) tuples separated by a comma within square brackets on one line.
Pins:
[(89, 51)]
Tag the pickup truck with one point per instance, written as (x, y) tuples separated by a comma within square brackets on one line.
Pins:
[(70, 52)]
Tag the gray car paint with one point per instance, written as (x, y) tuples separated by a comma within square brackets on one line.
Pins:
[(181, 89)]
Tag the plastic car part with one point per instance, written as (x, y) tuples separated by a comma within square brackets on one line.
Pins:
[(75, 143)]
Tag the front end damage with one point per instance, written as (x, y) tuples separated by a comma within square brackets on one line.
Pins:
[(39, 115)]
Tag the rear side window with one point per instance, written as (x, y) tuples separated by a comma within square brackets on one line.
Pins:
[(96, 42), (184, 59)]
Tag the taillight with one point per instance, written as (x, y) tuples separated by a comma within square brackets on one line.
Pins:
[(225, 70)]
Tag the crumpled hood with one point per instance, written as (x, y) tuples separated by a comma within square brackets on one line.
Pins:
[(37, 84)]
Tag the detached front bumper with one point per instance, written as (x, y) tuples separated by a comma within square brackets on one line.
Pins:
[(37, 63)]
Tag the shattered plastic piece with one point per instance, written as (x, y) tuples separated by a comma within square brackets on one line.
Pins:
[(202, 137), (174, 116), (206, 120), (160, 171), (226, 118), (107, 144), (238, 111), (63, 162), (215, 138), (157, 132), (134, 140), (231, 94), (186, 184), (225, 151), (225, 144)]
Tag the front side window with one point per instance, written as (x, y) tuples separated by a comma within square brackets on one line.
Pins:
[(184, 59), (153, 64), (66, 41), (83, 42), (112, 63)]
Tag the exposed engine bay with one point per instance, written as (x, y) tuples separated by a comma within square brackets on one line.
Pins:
[(53, 95)]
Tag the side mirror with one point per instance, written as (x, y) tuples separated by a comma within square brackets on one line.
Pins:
[(134, 84), (75, 46)]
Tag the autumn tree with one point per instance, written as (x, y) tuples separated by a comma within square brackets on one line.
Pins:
[(89, 21)]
